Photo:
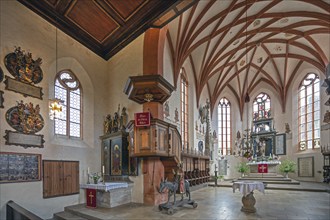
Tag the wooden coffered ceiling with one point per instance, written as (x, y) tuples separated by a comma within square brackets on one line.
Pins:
[(107, 26)]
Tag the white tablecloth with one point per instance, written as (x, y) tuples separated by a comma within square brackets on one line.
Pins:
[(245, 187), (105, 187)]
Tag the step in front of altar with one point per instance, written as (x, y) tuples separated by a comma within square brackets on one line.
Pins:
[(279, 179)]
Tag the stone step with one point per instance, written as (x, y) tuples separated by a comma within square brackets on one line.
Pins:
[(65, 215), (82, 212), (266, 179)]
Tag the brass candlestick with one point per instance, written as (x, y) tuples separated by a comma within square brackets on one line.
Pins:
[(103, 181)]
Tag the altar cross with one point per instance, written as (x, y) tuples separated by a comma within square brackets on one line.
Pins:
[(263, 168), (91, 197)]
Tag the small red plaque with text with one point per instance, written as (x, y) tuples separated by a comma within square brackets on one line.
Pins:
[(142, 119)]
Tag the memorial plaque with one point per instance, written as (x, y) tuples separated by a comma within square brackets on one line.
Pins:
[(306, 167), (280, 144), (23, 88), (19, 167), (223, 164), (25, 140)]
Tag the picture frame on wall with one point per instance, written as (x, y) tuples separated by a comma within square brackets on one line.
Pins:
[(280, 144), (19, 167)]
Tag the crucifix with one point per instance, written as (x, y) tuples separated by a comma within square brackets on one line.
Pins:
[(263, 167), (91, 197)]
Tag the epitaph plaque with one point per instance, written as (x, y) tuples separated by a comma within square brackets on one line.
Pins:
[(25, 140), (306, 167), (23, 88)]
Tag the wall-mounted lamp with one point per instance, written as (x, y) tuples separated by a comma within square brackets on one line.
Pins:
[(55, 108)]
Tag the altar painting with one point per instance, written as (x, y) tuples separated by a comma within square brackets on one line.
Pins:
[(116, 160)]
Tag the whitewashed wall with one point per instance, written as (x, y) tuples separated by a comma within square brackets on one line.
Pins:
[(21, 27), (128, 62)]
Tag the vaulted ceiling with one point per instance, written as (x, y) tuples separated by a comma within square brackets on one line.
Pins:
[(240, 44), (107, 26), (234, 44)]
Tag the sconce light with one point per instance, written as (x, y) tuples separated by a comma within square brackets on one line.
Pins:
[(55, 108), (148, 97)]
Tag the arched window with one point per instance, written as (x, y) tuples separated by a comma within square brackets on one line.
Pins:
[(261, 107), (68, 89), (224, 127), (309, 112), (184, 111)]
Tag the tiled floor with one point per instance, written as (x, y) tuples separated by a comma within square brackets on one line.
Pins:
[(222, 203)]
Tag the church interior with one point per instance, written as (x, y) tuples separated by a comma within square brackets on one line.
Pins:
[(109, 103)]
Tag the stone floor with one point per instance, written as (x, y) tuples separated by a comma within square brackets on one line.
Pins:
[(222, 203)]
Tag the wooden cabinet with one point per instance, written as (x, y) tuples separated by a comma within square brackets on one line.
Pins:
[(60, 178)]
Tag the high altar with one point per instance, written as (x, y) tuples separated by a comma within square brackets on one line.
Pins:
[(269, 167)]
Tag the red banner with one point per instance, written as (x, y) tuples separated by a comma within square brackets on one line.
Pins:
[(142, 119), (91, 198), (262, 168)]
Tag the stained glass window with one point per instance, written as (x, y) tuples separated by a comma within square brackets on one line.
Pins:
[(309, 112), (184, 111), (68, 89), (261, 107), (224, 127)]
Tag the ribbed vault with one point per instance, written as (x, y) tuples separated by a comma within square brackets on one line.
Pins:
[(240, 44)]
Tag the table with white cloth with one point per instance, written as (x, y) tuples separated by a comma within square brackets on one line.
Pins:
[(109, 194), (246, 188)]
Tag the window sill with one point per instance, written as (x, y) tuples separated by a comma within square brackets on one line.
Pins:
[(62, 140)]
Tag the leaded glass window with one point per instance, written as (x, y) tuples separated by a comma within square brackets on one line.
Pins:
[(309, 112), (224, 127), (68, 89), (184, 112), (261, 107)]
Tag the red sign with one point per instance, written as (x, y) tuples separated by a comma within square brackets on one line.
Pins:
[(91, 198), (262, 168), (142, 119)]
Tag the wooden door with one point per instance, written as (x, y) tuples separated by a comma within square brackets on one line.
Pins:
[(70, 177), (60, 178), (52, 178)]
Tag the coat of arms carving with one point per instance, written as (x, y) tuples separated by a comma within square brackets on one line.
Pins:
[(21, 66), (26, 72), (25, 118)]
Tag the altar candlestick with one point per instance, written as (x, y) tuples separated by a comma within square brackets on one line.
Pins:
[(103, 169), (87, 170)]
